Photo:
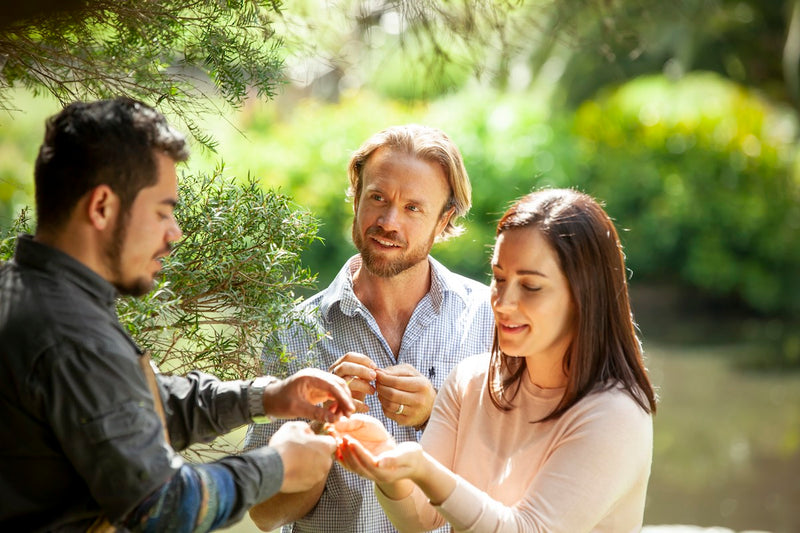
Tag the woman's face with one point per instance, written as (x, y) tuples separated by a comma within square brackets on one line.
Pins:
[(532, 304)]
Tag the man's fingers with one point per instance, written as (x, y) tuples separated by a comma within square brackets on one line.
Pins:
[(400, 370), (343, 398), (361, 407), (406, 382), (315, 386), (359, 386), (356, 364), (323, 386), (352, 373)]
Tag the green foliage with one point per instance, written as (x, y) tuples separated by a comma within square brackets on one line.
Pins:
[(417, 70), (20, 137), (614, 42), (426, 48), (8, 236), (169, 53), (229, 283)]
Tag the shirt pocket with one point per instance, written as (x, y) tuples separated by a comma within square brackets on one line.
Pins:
[(126, 420)]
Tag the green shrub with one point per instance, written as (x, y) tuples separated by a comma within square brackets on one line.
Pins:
[(701, 173), (229, 283)]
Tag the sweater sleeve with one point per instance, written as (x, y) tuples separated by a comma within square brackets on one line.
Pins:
[(602, 457)]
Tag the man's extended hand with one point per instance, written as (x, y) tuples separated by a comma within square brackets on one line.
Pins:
[(406, 396), (301, 395)]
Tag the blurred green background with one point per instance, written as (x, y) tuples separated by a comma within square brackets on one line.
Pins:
[(681, 118)]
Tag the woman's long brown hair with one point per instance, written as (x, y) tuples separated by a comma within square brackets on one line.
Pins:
[(606, 351)]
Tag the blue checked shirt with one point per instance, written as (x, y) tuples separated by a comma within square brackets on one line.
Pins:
[(452, 321)]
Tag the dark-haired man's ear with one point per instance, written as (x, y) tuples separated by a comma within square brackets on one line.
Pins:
[(102, 207)]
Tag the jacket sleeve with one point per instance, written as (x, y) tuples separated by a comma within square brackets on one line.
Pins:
[(205, 497), (199, 407), (101, 413)]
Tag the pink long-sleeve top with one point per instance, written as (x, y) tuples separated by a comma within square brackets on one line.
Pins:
[(584, 472)]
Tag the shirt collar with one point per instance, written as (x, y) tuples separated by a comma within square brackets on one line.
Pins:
[(340, 291), (59, 265)]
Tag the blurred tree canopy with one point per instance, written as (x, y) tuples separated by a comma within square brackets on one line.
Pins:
[(584, 45), (173, 52)]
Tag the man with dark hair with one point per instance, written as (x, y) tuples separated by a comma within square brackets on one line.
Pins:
[(91, 433)]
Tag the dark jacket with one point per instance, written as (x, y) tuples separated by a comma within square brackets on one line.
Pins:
[(79, 436)]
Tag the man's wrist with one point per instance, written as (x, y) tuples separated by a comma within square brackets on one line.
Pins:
[(423, 425), (255, 398)]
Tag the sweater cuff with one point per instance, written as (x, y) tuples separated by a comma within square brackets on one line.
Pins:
[(462, 509)]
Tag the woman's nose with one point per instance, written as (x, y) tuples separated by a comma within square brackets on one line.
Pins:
[(504, 298)]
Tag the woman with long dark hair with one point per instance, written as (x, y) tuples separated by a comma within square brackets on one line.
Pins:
[(551, 431)]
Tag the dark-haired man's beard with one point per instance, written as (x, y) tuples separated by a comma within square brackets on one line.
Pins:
[(378, 264), (136, 287)]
